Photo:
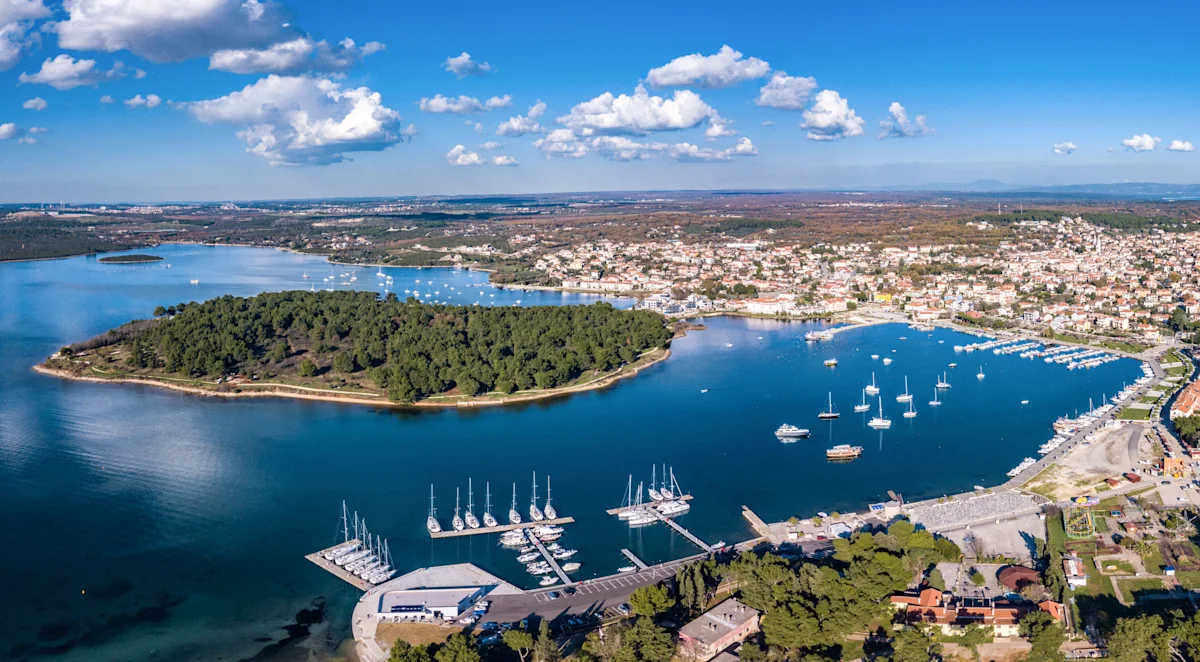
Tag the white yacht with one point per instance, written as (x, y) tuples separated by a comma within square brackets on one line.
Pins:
[(548, 510), (627, 504), (672, 508), (829, 414), (514, 517), (911, 413), (457, 522), (879, 422), (641, 518), (830, 363), (935, 402), (549, 580), (488, 519), (535, 513), (860, 408), (528, 558), (980, 375), (905, 396), (785, 431), (571, 567), (872, 388), (942, 383), (664, 490), (432, 523), (887, 360), (471, 520), (874, 357)]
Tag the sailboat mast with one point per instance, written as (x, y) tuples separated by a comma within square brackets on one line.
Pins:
[(345, 524), (533, 499)]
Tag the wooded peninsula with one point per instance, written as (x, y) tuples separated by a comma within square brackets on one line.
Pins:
[(360, 347)]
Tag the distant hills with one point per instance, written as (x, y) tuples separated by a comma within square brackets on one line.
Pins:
[(1120, 190)]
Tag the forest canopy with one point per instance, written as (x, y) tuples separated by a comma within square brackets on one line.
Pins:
[(407, 348)]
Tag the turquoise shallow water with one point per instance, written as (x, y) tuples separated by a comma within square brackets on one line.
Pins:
[(139, 522)]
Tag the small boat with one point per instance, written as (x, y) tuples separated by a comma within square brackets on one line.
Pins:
[(942, 383), (953, 365), (843, 452), (548, 510), (528, 558), (875, 357), (704, 390), (471, 520), (872, 388), (729, 344), (1024, 402), (887, 360), (935, 402), (830, 363), (879, 422), (911, 413), (195, 281), (905, 396), (829, 413), (549, 580), (980, 375), (563, 554), (859, 408), (627, 568), (785, 431), (571, 567), (488, 519), (432, 523)]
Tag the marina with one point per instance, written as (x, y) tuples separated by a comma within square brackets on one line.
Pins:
[(500, 528)]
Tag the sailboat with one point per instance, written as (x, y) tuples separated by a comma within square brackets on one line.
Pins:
[(860, 408), (942, 383), (549, 510), (457, 522), (879, 422), (829, 413), (872, 389), (980, 375), (905, 396), (911, 413), (535, 513), (935, 402), (664, 490), (488, 520), (472, 520), (627, 509), (431, 523), (514, 517), (653, 491)]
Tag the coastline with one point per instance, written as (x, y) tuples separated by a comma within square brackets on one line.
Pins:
[(271, 390)]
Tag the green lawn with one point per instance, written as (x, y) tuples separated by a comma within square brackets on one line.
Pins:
[(1134, 415), (1150, 399), (1154, 561), (1188, 578), (1132, 587), (1118, 567)]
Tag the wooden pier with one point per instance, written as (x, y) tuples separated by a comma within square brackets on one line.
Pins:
[(549, 559), (641, 565), (500, 529), (618, 511), (682, 531), (337, 570)]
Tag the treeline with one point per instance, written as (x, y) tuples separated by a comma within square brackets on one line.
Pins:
[(1028, 215), (410, 349), (1133, 222), (1188, 428)]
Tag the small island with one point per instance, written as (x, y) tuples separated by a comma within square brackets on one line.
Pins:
[(357, 347), (135, 258)]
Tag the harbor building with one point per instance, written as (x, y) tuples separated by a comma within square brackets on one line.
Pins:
[(717, 629), (427, 604)]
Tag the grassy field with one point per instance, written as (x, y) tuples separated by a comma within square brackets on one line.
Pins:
[(1188, 578), (417, 634), (1134, 415), (1154, 561), (1132, 587), (1118, 567)]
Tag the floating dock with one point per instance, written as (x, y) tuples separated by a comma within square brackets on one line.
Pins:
[(337, 570), (549, 559), (618, 511), (500, 529), (641, 565), (682, 531)]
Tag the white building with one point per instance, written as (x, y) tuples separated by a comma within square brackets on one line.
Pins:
[(428, 603)]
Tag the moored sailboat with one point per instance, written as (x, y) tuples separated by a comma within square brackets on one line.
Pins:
[(872, 388), (548, 510), (457, 522), (535, 513), (431, 523), (905, 396), (879, 422), (488, 519), (471, 520), (829, 413), (860, 408), (514, 517)]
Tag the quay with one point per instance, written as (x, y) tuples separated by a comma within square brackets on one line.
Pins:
[(337, 570), (618, 511), (500, 529), (760, 527), (682, 531), (549, 559), (641, 565)]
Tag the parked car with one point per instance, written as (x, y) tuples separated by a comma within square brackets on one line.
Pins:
[(553, 595), (624, 609)]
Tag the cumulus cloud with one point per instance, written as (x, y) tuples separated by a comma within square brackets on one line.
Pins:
[(726, 67), (459, 156), (463, 66), (689, 152), (1141, 143), (36, 103), (8, 130), (784, 92), (171, 31), (16, 19), (561, 142), (409, 131), (303, 120), (768, 123), (139, 73), (719, 127), (462, 104), (638, 114), (566, 143), (106, 99), (520, 125), (490, 145), (294, 56), (1180, 146), (1065, 148), (65, 72), (899, 126), (504, 161), (149, 101), (830, 117)]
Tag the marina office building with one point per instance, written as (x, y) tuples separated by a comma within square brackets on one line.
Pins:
[(427, 603)]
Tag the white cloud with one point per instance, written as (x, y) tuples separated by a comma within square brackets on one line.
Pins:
[(409, 131), (8, 130), (37, 129), (463, 66), (504, 161), (139, 73), (830, 117), (171, 31), (26, 140), (899, 126), (784, 92), (689, 152), (36, 103), (106, 99), (519, 125), (303, 120), (150, 101), (638, 114), (1180, 146), (293, 56), (768, 123), (490, 145), (462, 104), (65, 72), (1065, 148), (719, 127), (725, 68), (561, 142), (459, 156), (566, 143), (1142, 143), (16, 18)]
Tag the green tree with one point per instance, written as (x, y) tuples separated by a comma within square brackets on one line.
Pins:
[(402, 651), (651, 600), (1138, 640), (343, 363), (458, 648), (912, 644), (1045, 635), (545, 649), (306, 368), (520, 641), (645, 642)]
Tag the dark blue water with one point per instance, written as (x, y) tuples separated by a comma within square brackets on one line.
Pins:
[(139, 522)]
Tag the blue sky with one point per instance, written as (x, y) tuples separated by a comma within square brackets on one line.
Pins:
[(999, 87)]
